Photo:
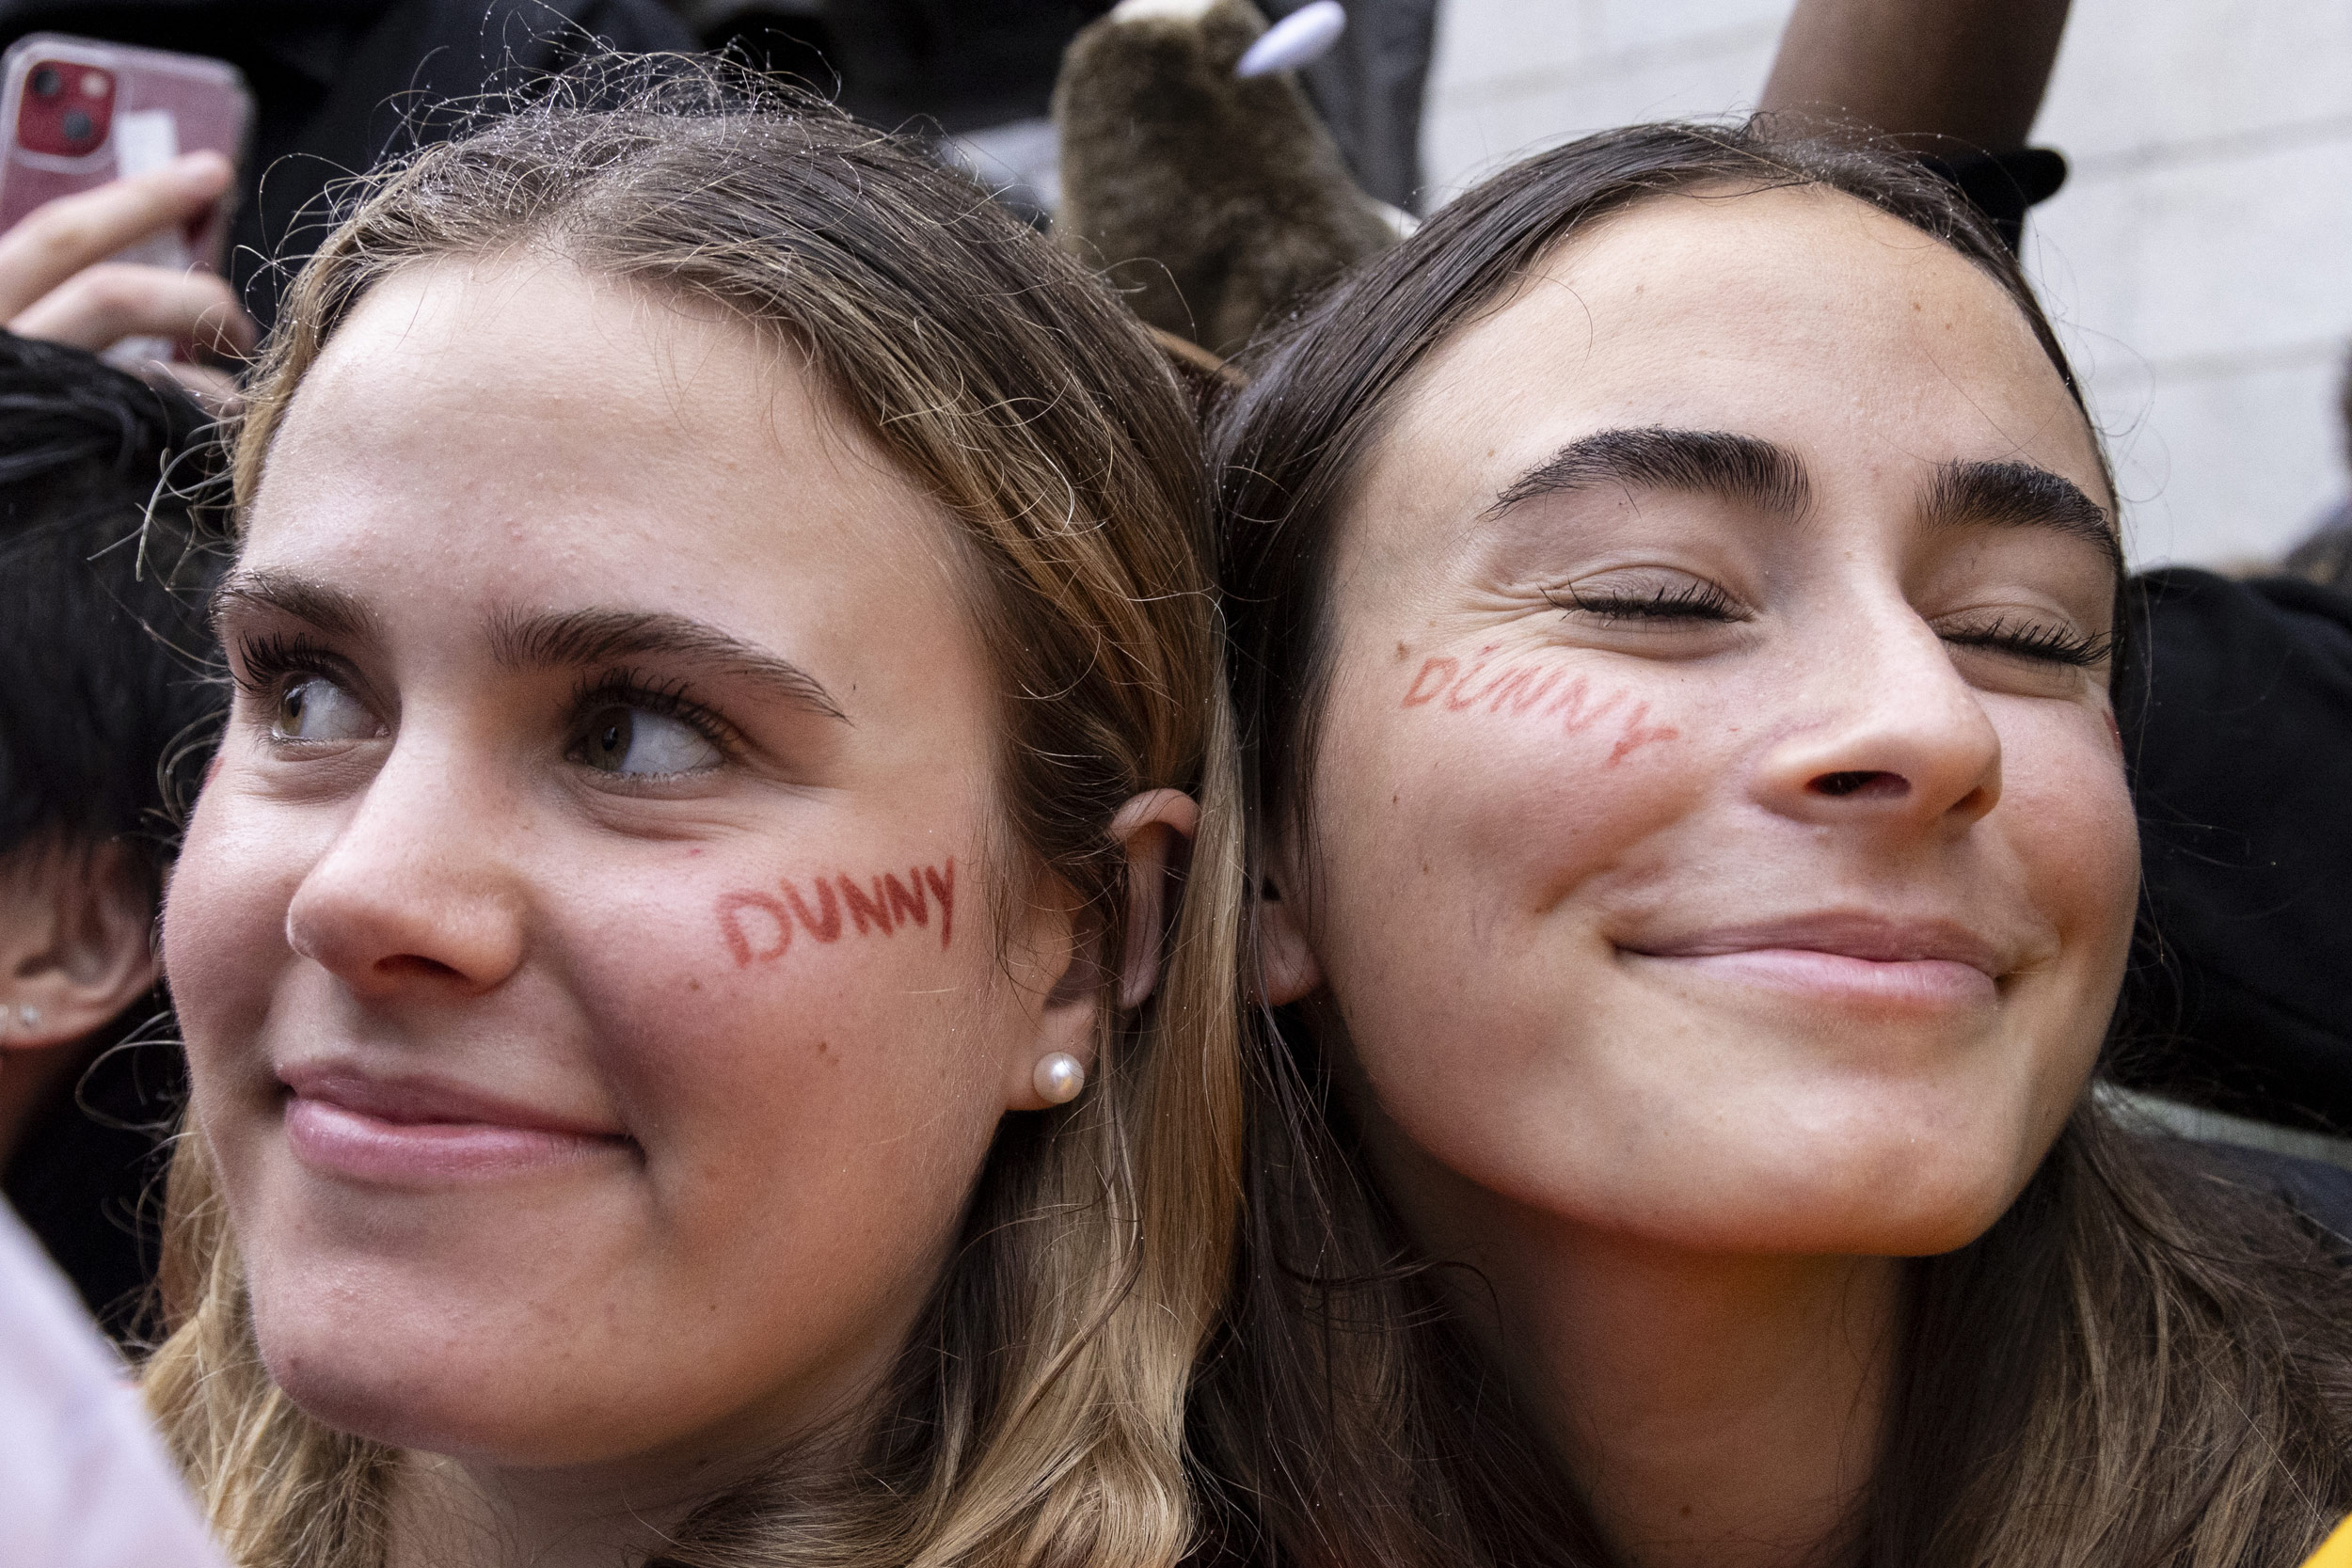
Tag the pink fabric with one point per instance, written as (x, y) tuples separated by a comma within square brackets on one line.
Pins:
[(84, 1480)]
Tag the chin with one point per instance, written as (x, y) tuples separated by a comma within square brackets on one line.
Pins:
[(411, 1375), (1876, 1197)]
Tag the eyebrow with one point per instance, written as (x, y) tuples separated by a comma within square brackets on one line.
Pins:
[(581, 637), (2020, 495), (1699, 462), (569, 640), (331, 610), (1765, 474)]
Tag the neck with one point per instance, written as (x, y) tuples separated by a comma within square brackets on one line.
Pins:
[(1714, 1409), (447, 1512)]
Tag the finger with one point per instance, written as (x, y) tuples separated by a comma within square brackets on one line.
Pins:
[(100, 305), (59, 238), (216, 391)]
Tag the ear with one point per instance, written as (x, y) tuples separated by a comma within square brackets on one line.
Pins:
[(1154, 831), (75, 945), (1287, 967)]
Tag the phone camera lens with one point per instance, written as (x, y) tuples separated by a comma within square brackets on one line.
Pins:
[(77, 126), (47, 83)]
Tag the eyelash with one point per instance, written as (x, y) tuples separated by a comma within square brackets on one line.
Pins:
[(1690, 601), (1703, 601), (2051, 644), (627, 688), (265, 664)]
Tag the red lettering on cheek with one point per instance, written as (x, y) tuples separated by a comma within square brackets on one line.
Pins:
[(892, 906), (1636, 735), (1460, 697), (867, 911), (1523, 690), (945, 891), (730, 909), (1574, 714), (827, 929), (905, 906), (1444, 669)]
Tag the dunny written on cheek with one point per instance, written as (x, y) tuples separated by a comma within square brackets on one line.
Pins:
[(757, 926), (1525, 690)]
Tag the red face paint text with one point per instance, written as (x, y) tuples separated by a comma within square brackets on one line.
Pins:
[(1524, 689), (758, 925)]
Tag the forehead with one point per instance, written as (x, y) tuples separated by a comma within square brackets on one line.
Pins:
[(535, 431), (1803, 316)]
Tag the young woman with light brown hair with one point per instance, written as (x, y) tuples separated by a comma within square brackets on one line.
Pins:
[(1680, 632), (706, 957)]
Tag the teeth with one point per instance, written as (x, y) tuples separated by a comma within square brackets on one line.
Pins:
[(1299, 39)]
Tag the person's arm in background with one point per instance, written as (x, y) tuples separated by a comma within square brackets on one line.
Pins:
[(55, 282), (1970, 70)]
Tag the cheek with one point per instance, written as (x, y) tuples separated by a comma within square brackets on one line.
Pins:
[(1489, 779), (2072, 825), (814, 998), (224, 924)]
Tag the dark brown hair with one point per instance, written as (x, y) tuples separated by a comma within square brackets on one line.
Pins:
[(2141, 1364)]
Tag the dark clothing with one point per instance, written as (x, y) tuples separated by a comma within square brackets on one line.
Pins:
[(2240, 742), (333, 82), (2002, 186), (2326, 553), (87, 1178), (2321, 1194)]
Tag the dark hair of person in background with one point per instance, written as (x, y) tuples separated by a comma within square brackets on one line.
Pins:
[(2133, 1366), (102, 721)]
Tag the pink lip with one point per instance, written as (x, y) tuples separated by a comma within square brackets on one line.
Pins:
[(1846, 958), (417, 1132)]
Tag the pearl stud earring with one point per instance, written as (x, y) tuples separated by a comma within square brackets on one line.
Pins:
[(1059, 1077), (29, 1017)]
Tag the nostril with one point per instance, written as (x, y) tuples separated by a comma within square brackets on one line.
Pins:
[(1865, 783), (413, 964)]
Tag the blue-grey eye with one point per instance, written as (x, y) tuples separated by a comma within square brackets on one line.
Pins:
[(641, 743), (312, 708)]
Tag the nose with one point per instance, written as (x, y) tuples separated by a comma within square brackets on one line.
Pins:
[(416, 892), (1883, 732)]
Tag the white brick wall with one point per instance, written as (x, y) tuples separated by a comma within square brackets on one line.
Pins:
[(2200, 259)]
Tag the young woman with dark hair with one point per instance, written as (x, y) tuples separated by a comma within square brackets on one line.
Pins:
[(1675, 599)]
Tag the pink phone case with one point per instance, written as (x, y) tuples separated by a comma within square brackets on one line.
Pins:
[(138, 109)]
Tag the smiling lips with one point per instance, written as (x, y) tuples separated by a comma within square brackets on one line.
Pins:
[(1856, 958), (413, 1132)]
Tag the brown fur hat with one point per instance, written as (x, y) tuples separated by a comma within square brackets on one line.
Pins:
[(1214, 201)]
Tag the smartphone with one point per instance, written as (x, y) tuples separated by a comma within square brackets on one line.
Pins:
[(78, 112)]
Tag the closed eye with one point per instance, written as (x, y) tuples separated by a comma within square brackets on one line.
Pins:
[(2040, 641), (1682, 599)]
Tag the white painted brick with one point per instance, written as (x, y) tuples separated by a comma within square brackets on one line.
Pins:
[(2231, 468), (1648, 25), (1481, 41), (2136, 72), (2229, 256), (1472, 132)]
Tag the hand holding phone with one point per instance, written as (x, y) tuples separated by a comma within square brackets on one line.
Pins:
[(116, 170), (57, 283)]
